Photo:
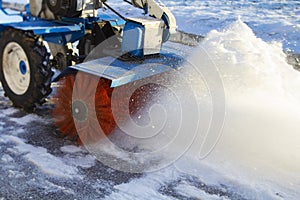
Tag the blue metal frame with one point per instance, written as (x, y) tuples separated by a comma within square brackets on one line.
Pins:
[(51, 31), (58, 32), (73, 29)]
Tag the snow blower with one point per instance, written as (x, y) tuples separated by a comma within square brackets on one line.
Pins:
[(94, 54)]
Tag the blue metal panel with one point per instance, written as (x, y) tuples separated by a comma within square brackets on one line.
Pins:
[(45, 27), (52, 31), (121, 73), (133, 39), (63, 38)]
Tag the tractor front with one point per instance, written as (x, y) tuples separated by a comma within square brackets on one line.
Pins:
[(93, 53)]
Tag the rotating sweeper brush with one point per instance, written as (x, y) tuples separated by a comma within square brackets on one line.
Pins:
[(111, 53), (87, 106), (83, 103)]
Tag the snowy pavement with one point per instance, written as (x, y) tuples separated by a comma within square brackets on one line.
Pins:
[(37, 164)]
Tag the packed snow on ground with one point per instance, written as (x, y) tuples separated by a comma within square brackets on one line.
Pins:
[(256, 154), (38, 156)]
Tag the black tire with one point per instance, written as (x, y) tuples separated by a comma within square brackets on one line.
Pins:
[(31, 56)]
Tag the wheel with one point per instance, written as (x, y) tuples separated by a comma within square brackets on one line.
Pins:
[(24, 71), (83, 103), (61, 56)]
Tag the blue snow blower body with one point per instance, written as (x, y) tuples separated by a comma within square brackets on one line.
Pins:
[(141, 39), (102, 51)]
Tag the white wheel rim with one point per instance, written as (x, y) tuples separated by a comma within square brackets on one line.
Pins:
[(16, 68)]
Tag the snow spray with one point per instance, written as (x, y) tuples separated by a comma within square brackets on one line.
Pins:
[(234, 104), (260, 140)]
